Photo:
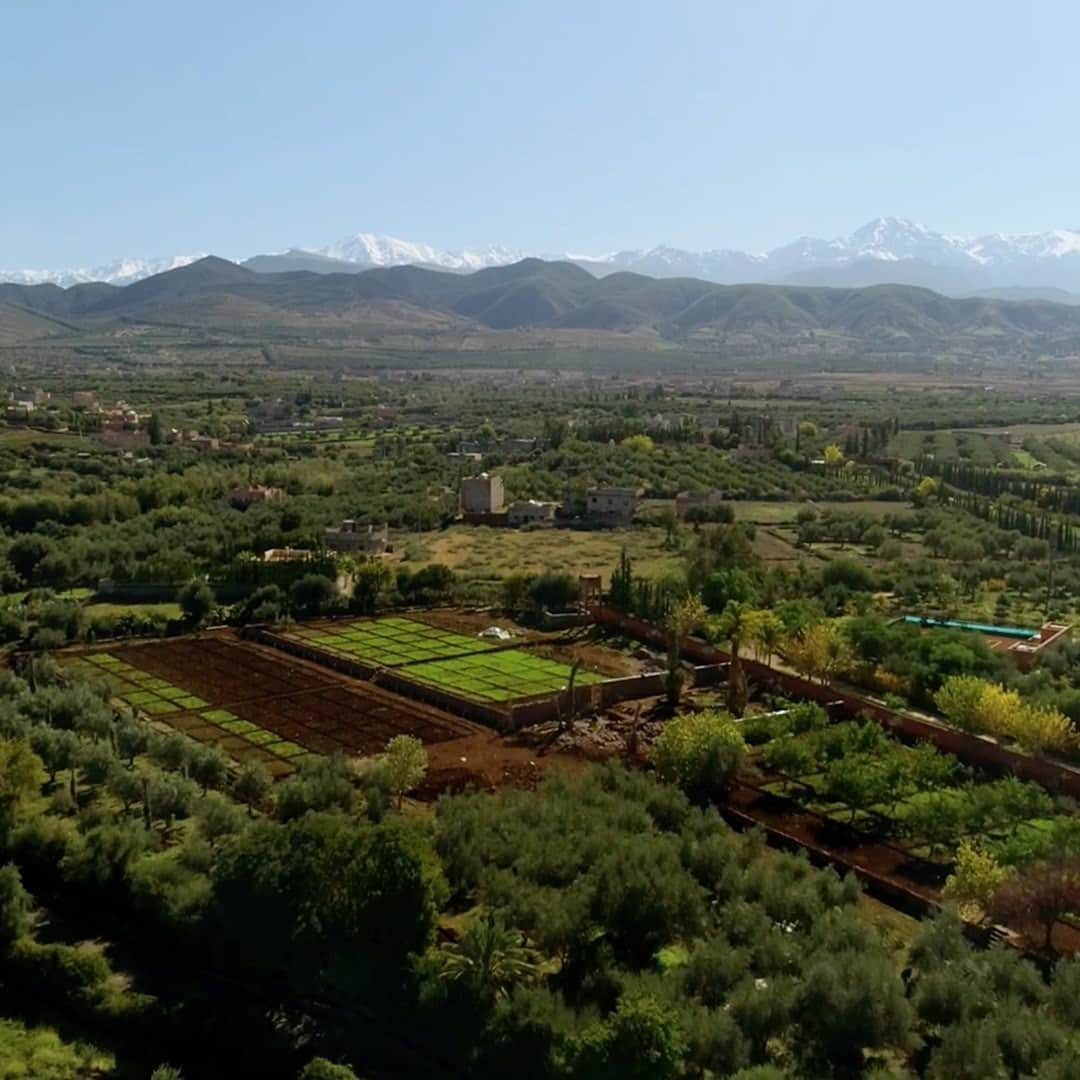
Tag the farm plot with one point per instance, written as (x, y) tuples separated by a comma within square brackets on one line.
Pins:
[(389, 642), (262, 705), (499, 676), (920, 800), (136, 687)]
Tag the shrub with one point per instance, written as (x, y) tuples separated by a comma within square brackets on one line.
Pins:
[(975, 879), (321, 1069), (960, 701), (67, 974), (701, 752), (15, 906)]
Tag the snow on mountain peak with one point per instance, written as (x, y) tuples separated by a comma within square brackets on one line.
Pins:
[(941, 260), (373, 250), (120, 272)]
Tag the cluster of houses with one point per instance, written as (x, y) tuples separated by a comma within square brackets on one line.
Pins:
[(353, 538), (348, 538), (483, 502), (24, 402), (278, 417)]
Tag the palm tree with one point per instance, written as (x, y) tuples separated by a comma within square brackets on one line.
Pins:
[(768, 634), (735, 625), (489, 957), (680, 620)]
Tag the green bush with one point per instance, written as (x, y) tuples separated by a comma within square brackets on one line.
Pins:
[(701, 752)]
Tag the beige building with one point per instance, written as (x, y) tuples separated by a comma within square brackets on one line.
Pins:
[(352, 537), (611, 505), (250, 494), (28, 399), (482, 494), (530, 512), (286, 555), (686, 501)]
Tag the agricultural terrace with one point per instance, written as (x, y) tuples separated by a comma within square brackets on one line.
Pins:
[(469, 667), (259, 704)]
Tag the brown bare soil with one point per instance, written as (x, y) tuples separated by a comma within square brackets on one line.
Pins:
[(471, 622), (593, 657), (487, 761), (314, 707)]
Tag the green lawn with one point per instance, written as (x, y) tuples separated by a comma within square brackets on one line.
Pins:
[(18, 438), (76, 595), (784, 513), (167, 612), (499, 676)]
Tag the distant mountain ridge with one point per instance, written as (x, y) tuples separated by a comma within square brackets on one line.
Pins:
[(119, 272), (542, 297), (884, 251)]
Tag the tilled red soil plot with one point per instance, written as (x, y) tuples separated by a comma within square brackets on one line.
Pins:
[(270, 697), (223, 670)]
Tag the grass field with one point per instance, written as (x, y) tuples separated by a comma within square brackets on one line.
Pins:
[(84, 598), (481, 551), (18, 438), (152, 611), (976, 447), (469, 666), (773, 547), (784, 513)]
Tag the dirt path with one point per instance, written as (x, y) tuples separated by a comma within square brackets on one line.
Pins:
[(486, 762)]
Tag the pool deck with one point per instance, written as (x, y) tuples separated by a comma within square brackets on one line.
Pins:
[(1022, 644)]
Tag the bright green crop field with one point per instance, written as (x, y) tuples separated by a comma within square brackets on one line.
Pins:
[(391, 642), (500, 676)]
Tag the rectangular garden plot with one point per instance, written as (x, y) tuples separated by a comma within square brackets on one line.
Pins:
[(389, 642), (505, 675), (135, 686), (260, 704)]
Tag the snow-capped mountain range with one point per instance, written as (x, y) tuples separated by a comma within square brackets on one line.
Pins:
[(883, 250), (369, 249), (120, 272)]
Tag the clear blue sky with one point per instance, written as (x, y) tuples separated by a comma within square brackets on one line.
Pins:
[(137, 127)]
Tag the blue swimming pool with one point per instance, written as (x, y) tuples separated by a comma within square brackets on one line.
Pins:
[(982, 628)]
